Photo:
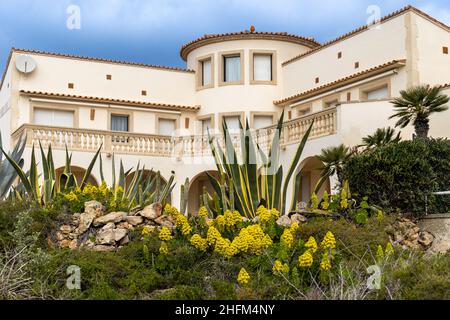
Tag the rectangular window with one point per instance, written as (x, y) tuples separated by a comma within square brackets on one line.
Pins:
[(260, 121), (119, 123), (356, 65), (232, 123), (262, 67), (232, 68), (166, 127), (206, 72), (70, 85), (206, 124), (304, 111), (54, 118), (445, 50), (377, 94)]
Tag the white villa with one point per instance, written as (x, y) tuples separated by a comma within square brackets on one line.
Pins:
[(159, 115)]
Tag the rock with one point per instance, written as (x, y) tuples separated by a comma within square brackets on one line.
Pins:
[(119, 234), (111, 217), (109, 226), (298, 218), (102, 248), (426, 239), (245, 219), (106, 237), (65, 244), (152, 211), (85, 221), (284, 221), (94, 207), (164, 221), (125, 240), (65, 229), (135, 211), (255, 220), (135, 220), (60, 236), (88, 244), (73, 244)]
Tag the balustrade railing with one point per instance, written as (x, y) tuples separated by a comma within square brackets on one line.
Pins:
[(325, 123)]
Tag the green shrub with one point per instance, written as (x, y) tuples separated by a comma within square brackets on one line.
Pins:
[(399, 177)]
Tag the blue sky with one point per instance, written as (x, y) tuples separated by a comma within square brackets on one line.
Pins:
[(152, 31)]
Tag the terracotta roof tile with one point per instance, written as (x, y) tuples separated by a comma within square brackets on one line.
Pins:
[(128, 63), (338, 83), (213, 38), (140, 104), (365, 27)]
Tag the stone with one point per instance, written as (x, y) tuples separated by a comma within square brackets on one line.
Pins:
[(255, 220), (135, 211), (298, 218), (60, 236), (111, 217), (120, 233), (105, 237), (94, 207), (135, 220), (152, 211), (426, 239), (65, 244), (65, 229), (73, 244), (125, 240), (102, 248), (164, 221), (85, 221), (109, 226), (284, 221)]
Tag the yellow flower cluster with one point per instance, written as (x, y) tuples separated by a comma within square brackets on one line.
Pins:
[(265, 215), (212, 235), (165, 234), (380, 253), (163, 249), (243, 277), (71, 197), (203, 212), (186, 229), (389, 249), (182, 222), (146, 231), (252, 239), (222, 246), (329, 242), (305, 260), (228, 219), (311, 244), (325, 264), (314, 201), (198, 242), (287, 238), (279, 267)]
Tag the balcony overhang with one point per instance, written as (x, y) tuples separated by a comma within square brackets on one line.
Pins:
[(366, 74), (116, 102)]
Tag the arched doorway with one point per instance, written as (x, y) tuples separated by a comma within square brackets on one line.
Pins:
[(196, 189), (309, 176), (146, 175), (79, 173)]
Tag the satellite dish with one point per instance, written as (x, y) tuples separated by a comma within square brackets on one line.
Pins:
[(25, 64)]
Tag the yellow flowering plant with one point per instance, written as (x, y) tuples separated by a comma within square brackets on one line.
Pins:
[(165, 234), (243, 277)]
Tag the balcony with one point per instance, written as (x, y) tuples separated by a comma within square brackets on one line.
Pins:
[(86, 140)]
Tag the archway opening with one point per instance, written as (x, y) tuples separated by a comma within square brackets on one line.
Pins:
[(79, 173), (309, 176), (196, 188)]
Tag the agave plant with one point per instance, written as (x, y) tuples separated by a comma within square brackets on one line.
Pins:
[(140, 190), (7, 172), (45, 191), (246, 186)]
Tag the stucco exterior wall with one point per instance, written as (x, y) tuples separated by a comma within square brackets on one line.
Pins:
[(370, 48), (5, 109)]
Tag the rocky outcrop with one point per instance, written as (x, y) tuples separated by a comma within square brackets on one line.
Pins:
[(408, 234), (97, 230)]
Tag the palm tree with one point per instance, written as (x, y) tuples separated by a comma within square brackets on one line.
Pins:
[(416, 105), (333, 160), (381, 137)]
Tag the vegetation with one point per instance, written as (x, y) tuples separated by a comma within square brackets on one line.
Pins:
[(7, 172), (398, 179), (380, 138), (239, 185), (333, 159), (416, 105)]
